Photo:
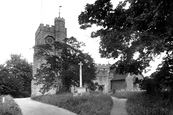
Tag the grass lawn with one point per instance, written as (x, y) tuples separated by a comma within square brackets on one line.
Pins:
[(145, 104), (124, 94), (8, 106), (95, 104)]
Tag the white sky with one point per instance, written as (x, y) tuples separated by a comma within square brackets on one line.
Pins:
[(21, 18)]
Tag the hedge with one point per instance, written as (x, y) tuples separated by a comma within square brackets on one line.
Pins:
[(97, 104)]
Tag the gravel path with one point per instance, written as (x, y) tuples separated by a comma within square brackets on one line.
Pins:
[(118, 107), (31, 107)]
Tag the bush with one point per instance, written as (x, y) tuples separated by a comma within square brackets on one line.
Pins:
[(145, 104), (96, 104), (9, 107), (150, 85)]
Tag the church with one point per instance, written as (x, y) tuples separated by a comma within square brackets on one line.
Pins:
[(104, 77)]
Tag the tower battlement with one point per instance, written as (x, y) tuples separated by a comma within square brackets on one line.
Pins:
[(102, 65), (60, 19), (58, 30), (46, 28)]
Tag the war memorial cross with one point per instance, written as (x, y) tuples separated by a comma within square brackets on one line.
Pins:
[(80, 72)]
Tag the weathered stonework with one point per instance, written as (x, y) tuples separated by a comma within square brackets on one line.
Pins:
[(103, 76), (112, 82), (130, 79), (56, 31)]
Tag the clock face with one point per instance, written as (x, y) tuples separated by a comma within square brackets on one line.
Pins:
[(49, 40)]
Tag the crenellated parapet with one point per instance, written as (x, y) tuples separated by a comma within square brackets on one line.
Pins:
[(60, 19), (102, 69), (60, 30), (57, 31), (45, 28), (103, 65)]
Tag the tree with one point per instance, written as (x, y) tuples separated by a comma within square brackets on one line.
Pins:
[(8, 84), (162, 79), (62, 70), (145, 27), (16, 75)]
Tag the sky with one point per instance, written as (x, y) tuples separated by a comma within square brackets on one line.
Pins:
[(21, 18)]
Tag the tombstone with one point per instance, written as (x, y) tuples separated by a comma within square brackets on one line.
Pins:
[(130, 81)]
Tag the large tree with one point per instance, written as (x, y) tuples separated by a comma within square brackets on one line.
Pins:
[(62, 70), (15, 77), (145, 27)]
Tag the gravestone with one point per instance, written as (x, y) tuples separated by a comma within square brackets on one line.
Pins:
[(130, 79)]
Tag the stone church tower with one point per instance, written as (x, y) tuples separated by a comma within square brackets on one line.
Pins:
[(43, 35)]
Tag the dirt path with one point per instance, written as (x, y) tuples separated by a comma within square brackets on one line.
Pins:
[(118, 107), (31, 107)]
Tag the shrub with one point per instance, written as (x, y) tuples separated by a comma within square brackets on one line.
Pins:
[(95, 104), (150, 85), (9, 107), (145, 104)]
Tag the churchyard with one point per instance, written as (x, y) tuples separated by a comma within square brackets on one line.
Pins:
[(135, 34)]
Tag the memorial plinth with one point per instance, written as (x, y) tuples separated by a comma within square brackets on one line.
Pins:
[(81, 90)]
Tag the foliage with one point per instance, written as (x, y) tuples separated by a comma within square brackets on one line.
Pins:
[(62, 70), (9, 107), (145, 27), (144, 104), (81, 105), (15, 77), (150, 85), (162, 79)]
